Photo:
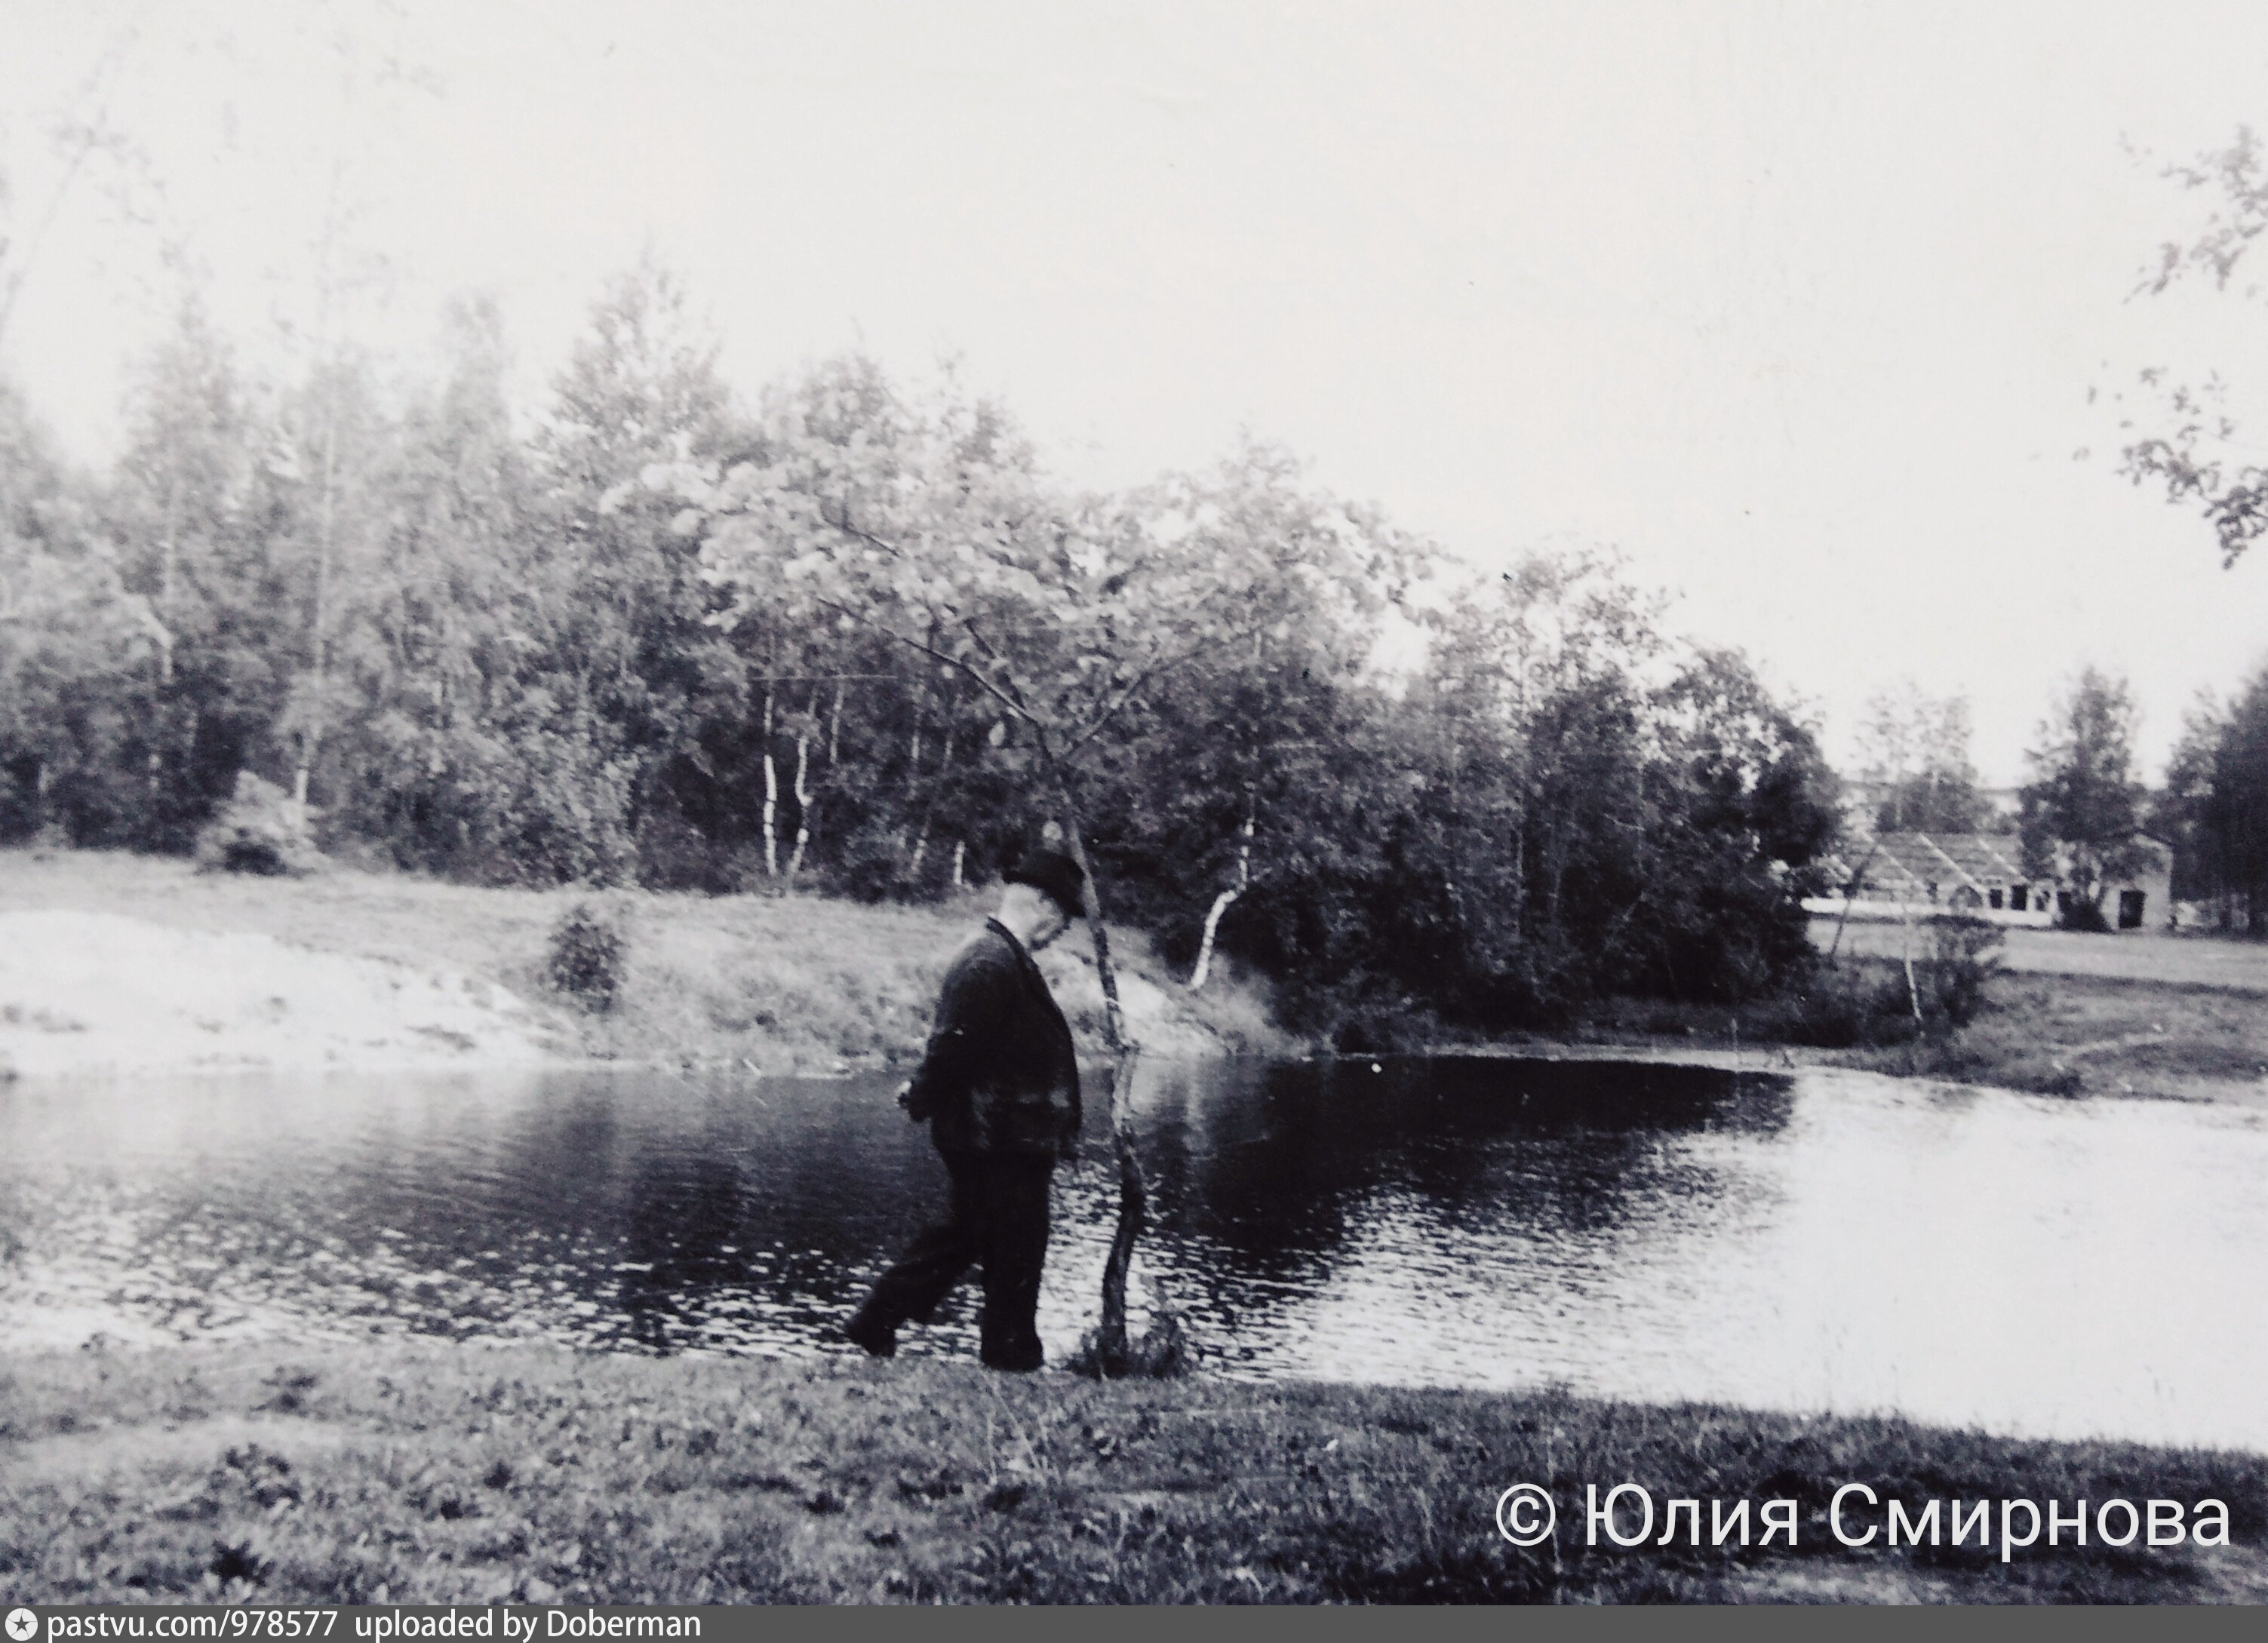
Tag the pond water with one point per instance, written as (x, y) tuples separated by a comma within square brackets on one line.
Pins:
[(1820, 1240)]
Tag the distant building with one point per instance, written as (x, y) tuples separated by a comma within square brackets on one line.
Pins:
[(2144, 899), (1951, 873), (1900, 875)]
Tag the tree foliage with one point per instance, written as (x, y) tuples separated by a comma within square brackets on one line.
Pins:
[(2192, 447), (1913, 752), (854, 638), (2214, 809), (2082, 806)]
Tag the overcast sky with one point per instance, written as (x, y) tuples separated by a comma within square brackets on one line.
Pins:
[(1800, 305)]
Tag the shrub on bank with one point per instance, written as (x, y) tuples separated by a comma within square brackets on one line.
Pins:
[(1856, 1004), (1966, 957), (587, 956), (259, 830), (1871, 1003)]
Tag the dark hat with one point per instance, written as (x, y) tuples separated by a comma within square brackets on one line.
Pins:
[(1056, 874)]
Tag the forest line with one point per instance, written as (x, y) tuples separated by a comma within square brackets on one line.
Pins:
[(854, 638)]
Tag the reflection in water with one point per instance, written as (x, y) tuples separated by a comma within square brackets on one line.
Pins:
[(1825, 1241)]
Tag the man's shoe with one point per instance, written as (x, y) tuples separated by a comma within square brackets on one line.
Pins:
[(875, 1338), (1021, 1361)]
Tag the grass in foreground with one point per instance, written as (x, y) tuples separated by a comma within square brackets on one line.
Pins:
[(426, 1473)]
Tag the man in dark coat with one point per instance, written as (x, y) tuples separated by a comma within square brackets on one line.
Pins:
[(999, 1087)]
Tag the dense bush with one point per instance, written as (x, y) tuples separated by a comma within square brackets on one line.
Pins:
[(2215, 812), (587, 956), (1861, 1003), (1965, 958), (259, 831)]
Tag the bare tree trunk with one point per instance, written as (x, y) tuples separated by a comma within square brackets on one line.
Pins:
[(803, 805), (310, 734), (960, 851), (913, 767), (771, 795), (1133, 1190), (1518, 859), (1225, 898), (167, 572), (1204, 970), (835, 727), (929, 805), (1913, 992), (166, 576), (1850, 895)]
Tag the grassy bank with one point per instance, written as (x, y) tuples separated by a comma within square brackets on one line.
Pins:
[(808, 984), (787, 984), (2079, 1035), (426, 1472), (2192, 958), (2056, 1034)]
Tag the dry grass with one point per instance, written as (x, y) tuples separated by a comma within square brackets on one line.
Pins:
[(409, 1473), (784, 984)]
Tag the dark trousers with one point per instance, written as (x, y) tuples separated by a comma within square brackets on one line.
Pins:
[(997, 1217)]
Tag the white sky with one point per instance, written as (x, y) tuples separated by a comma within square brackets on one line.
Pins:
[(1800, 305)]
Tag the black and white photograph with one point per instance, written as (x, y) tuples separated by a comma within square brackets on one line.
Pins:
[(1127, 803)]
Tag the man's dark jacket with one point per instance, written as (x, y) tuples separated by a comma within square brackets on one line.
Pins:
[(1000, 1075)]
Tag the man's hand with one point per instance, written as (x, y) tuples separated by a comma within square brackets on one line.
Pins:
[(906, 1101)]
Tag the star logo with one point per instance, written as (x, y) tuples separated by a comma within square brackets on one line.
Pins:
[(22, 1625)]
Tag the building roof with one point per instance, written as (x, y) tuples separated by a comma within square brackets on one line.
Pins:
[(1903, 866)]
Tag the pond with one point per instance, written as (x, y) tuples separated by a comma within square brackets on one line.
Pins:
[(1818, 1240)]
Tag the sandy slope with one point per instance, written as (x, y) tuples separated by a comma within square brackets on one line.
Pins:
[(789, 984), (84, 993)]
